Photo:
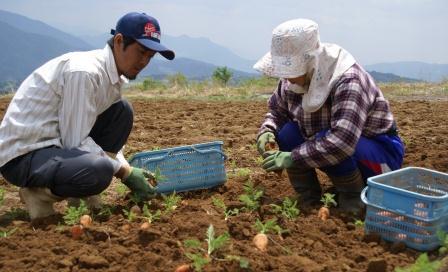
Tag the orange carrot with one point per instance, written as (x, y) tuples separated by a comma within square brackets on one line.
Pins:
[(145, 225), (261, 241), (323, 213), (126, 227), (183, 268), (85, 220), (77, 231)]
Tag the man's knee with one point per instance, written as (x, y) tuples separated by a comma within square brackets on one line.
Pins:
[(84, 176)]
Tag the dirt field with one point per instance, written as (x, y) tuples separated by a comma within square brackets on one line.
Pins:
[(115, 244)]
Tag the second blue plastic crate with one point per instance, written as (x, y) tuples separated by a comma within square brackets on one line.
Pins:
[(413, 191), (415, 232)]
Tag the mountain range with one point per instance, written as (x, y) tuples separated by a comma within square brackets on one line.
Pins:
[(430, 72), (27, 44)]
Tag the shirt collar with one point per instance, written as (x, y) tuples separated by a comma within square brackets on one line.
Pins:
[(111, 67)]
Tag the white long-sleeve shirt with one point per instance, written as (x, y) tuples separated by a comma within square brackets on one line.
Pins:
[(59, 103)]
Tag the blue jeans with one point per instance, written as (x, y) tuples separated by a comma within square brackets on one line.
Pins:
[(372, 156)]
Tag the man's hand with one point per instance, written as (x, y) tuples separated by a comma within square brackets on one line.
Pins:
[(138, 182), (277, 160), (267, 137)]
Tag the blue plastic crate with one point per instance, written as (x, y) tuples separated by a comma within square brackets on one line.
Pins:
[(412, 191), (415, 232), (185, 168)]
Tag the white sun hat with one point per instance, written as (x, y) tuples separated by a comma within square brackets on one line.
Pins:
[(292, 41), (296, 50)]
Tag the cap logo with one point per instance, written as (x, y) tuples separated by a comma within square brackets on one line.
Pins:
[(151, 31)]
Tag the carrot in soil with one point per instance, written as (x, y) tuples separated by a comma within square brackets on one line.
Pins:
[(85, 220), (126, 227), (183, 268), (324, 211), (77, 231), (261, 241), (145, 225)]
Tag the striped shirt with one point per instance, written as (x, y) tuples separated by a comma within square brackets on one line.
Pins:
[(58, 104), (355, 107)]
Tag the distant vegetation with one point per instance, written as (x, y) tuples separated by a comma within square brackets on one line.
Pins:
[(222, 75), (222, 86), (178, 86), (8, 87)]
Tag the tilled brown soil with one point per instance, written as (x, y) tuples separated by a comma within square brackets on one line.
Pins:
[(113, 243)]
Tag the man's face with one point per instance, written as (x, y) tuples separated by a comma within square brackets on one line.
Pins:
[(133, 59)]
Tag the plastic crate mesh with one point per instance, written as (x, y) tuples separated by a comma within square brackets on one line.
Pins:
[(185, 168), (412, 191), (395, 227), (408, 205)]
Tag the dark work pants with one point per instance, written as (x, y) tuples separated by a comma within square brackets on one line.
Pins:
[(373, 156), (72, 172)]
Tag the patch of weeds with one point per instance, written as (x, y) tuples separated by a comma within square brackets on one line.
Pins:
[(170, 202), (287, 210), (253, 146), (233, 165), (328, 200), (421, 264), (7, 233), (130, 216), (150, 216), (359, 223), (259, 160), (199, 255), (121, 189), (443, 238), (243, 173), (218, 202), (73, 214), (135, 199), (269, 226), (2, 195), (105, 211), (240, 173), (244, 263), (158, 175), (251, 197)]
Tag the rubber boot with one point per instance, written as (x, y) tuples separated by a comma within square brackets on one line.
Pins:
[(306, 184), (38, 201), (349, 189)]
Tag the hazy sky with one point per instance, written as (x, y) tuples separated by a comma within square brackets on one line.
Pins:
[(373, 31)]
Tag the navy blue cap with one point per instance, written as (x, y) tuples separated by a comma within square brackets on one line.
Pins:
[(145, 30)]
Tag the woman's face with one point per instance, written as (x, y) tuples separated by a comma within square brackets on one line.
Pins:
[(300, 80)]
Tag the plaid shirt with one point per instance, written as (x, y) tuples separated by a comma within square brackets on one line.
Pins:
[(354, 107)]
